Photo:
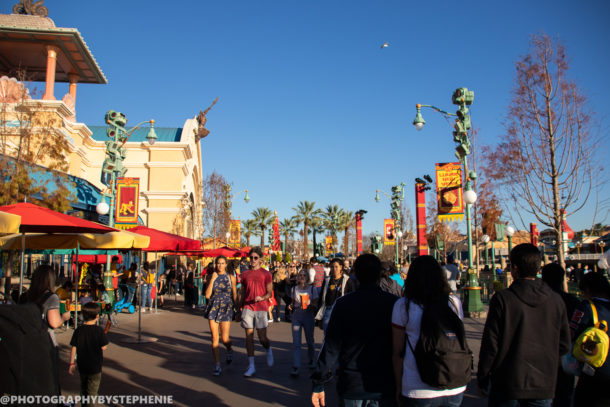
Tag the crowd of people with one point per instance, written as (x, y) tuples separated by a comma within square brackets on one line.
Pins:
[(372, 316)]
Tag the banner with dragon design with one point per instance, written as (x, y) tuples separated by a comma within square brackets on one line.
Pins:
[(126, 208)]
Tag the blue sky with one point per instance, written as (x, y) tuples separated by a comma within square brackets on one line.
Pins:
[(310, 107)]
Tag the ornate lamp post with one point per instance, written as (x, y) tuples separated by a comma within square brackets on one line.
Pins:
[(113, 168), (578, 245), (398, 195), (463, 98), (601, 245), (485, 239), (510, 231)]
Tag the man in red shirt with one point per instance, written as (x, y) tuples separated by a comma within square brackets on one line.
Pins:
[(256, 290)]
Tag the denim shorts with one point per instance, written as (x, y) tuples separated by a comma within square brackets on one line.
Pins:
[(254, 319)]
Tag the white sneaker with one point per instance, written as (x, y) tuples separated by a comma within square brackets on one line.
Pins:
[(217, 371), (250, 372), (269, 357)]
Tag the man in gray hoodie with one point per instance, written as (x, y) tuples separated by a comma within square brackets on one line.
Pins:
[(525, 334)]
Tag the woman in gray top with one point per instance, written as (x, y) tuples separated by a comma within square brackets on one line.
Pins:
[(42, 293)]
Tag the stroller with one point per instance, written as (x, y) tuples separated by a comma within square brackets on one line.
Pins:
[(126, 301)]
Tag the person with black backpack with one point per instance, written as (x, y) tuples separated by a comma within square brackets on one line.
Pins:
[(432, 361)]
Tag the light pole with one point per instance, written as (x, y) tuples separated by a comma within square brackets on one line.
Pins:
[(398, 195), (578, 245), (229, 197), (601, 245), (113, 168), (485, 239), (463, 98), (228, 236)]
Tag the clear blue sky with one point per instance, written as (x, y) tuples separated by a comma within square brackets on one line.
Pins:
[(310, 107)]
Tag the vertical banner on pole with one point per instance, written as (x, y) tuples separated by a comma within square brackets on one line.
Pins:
[(235, 230), (358, 233), (127, 200), (276, 235), (534, 235), (389, 237), (328, 245), (420, 216), (449, 192)]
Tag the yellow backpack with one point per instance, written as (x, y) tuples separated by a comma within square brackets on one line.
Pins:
[(591, 347)]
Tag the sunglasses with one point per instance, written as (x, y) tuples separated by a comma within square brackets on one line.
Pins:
[(254, 257)]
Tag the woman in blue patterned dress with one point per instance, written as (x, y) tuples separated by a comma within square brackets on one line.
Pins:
[(221, 294)]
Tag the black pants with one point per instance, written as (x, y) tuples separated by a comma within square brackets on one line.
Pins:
[(592, 392)]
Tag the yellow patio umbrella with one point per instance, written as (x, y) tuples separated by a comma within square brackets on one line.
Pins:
[(122, 239), (49, 241), (9, 223)]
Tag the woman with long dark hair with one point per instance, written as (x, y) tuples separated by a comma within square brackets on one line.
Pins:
[(426, 284), (222, 295), (42, 293), (334, 286)]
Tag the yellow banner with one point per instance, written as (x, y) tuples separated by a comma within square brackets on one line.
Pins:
[(449, 192), (389, 238), (328, 247), (127, 198), (235, 230)]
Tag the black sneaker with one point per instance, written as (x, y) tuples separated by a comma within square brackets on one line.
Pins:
[(229, 356), (294, 372)]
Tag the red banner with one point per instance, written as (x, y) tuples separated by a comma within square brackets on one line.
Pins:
[(235, 230), (420, 216), (389, 237), (126, 207), (277, 246), (358, 233), (449, 191), (534, 235)]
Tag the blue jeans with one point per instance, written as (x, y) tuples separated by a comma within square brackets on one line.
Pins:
[(302, 320), (145, 295), (442, 401), (327, 311), (497, 401)]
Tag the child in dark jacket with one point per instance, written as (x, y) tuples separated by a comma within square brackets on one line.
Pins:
[(88, 343)]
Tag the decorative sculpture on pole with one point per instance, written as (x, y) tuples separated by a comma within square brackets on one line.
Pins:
[(201, 131)]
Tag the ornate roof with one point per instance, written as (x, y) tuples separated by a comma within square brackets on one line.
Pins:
[(23, 42)]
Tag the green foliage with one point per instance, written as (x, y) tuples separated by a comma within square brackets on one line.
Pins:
[(288, 258), (278, 256)]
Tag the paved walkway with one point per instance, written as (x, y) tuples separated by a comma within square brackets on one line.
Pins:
[(180, 363)]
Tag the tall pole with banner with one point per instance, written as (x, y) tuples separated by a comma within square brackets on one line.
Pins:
[(359, 217)]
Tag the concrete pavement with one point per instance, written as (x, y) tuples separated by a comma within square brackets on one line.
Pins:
[(180, 363)]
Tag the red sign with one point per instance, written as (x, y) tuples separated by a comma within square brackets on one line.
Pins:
[(127, 194), (358, 233)]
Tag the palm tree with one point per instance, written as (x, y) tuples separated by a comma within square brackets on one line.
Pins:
[(250, 229), (318, 225), (288, 226), (345, 222), (305, 212), (262, 217), (331, 216)]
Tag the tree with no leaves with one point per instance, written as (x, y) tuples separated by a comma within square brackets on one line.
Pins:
[(547, 162), (216, 216)]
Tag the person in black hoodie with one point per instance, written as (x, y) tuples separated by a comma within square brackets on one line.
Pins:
[(525, 334), (359, 339)]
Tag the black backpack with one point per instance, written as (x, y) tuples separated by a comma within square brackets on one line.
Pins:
[(29, 360), (443, 357)]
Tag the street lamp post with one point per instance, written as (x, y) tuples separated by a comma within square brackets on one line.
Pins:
[(463, 98), (601, 245), (578, 245), (398, 195), (113, 168)]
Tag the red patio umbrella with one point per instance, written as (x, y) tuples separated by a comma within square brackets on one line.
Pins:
[(36, 219), (166, 242), (222, 251)]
